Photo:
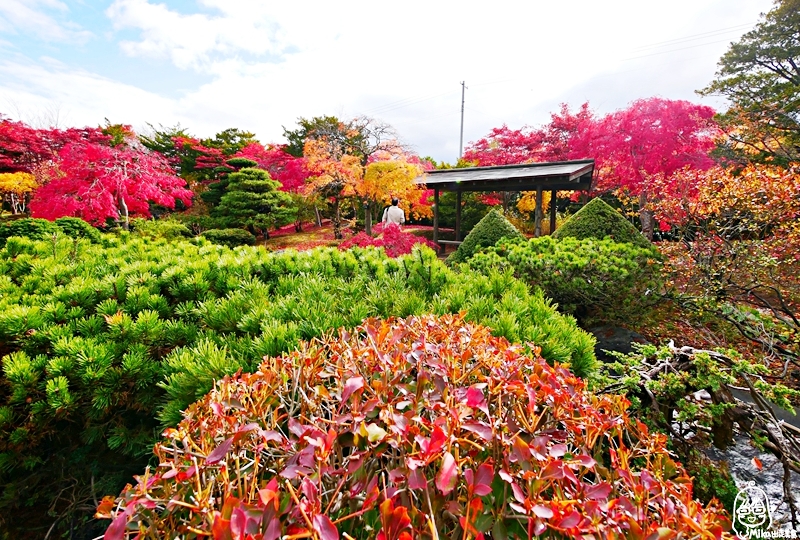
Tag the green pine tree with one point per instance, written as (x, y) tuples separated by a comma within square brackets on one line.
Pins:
[(254, 200)]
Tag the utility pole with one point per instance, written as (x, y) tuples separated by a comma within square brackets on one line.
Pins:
[(461, 140)]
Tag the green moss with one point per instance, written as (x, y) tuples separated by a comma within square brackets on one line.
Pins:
[(599, 220), (486, 233)]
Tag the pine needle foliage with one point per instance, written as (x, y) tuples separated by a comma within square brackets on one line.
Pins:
[(103, 344), (595, 280)]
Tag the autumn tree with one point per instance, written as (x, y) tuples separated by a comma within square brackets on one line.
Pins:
[(740, 254), (760, 76), (335, 175), (16, 189), (363, 138), (100, 183), (384, 180), (651, 138), (329, 127), (23, 148), (282, 166)]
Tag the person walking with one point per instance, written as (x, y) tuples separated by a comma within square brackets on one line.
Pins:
[(394, 214)]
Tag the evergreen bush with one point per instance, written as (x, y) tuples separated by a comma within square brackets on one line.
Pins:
[(160, 228), (592, 279), (427, 427), (230, 237), (33, 228), (599, 220), (77, 228), (486, 233), (101, 345)]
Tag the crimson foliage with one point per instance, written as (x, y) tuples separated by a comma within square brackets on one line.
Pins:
[(390, 237), (419, 428)]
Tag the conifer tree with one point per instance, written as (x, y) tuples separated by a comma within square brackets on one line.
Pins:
[(254, 200)]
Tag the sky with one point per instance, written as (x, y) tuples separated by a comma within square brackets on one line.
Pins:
[(259, 65)]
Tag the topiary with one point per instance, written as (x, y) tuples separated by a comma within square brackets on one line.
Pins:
[(486, 233), (77, 228), (599, 220), (427, 427), (230, 237)]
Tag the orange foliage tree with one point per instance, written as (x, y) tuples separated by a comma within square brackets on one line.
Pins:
[(740, 254), (335, 175)]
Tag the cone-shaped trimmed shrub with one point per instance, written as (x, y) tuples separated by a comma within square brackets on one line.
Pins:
[(487, 232), (412, 428), (599, 220)]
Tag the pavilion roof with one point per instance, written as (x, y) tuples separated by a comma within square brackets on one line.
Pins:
[(560, 175)]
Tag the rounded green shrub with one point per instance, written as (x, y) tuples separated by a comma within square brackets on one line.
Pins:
[(160, 228), (33, 228), (599, 220), (595, 280), (230, 237), (77, 228), (487, 232)]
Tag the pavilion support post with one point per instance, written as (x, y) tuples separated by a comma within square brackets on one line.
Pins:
[(552, 211), (538, 215), (458, 216), (436, 217)]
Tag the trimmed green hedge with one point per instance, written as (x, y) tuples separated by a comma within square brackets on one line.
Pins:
[(487, 232), (599, 220), (595, 280), (41, 229), (230, 237)]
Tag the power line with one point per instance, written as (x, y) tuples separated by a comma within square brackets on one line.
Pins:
[(675, 50), (402, 103), (694, 37)]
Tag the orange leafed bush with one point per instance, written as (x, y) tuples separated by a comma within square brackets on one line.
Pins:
[(426, 427)]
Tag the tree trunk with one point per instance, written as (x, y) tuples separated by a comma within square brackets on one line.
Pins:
[(646, 216), (318, 216), (337, 221), (126, 223), (367, 217)]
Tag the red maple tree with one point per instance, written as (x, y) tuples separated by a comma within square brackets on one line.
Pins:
[(650, 139), (99, 183)]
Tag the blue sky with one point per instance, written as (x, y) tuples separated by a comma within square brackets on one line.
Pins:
[(259, 65)]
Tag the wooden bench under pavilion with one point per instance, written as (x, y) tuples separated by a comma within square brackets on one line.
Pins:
[(538, 177)]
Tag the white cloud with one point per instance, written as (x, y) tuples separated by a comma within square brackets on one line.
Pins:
[(192, 41), (271, 62), (32, 16), (84, 97)]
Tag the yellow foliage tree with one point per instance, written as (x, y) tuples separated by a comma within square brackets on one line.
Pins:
[(527, 203), (16, 188), (384, 180)]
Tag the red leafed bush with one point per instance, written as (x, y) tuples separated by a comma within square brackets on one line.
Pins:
[(390, 237), (418, 428)]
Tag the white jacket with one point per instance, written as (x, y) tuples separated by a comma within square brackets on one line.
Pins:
[(394, 214)]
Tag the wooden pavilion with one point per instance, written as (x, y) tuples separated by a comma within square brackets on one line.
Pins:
[(538, 177)]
